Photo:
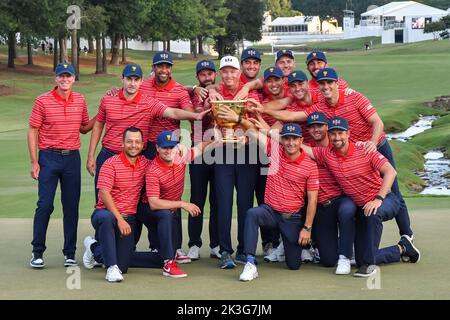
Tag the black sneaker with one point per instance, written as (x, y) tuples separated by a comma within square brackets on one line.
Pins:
[(409, 249), (226, 262), (366, 271), (69, 261), (37, 261)]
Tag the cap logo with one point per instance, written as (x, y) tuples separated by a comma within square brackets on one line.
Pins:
[(164, 55), (133, 68), (315, 117), (325, 73), (168, 136), (336, 122), (271, 69), (65, 66), (290, 128), (228, 60), (205, 64), (294, 74), (314, 54), (251, 52)]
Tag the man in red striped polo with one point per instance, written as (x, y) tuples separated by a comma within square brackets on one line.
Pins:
[(367, 179), (334, 226), (56, 121), (120, 182), (315, 61), (164, 188), (292, 178), (234, 168), (131, 107), (365, 125), (163, 88)]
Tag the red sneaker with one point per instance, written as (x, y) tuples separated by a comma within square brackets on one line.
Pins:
[(171, 269), (181, 257)]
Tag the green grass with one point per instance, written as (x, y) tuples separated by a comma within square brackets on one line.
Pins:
[(397, 79)]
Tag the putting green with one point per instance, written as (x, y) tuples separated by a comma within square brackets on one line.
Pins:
[(429, 279)]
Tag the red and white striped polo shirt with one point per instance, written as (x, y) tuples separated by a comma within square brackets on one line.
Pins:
[(260, 92), (59, 120), (286, 188), (297, 106), (328, 186), (164, 181), (357, 173), (173, 95), (119, 114), (206, 123), (124, 181), (268, 98), (227, 95), (354, 107), (314, 86)]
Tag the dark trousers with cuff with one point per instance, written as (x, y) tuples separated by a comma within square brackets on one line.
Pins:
[(237, 173), (369, 231), (66, 169), (114, 249), (402, 218), (289, 225), (202, 174), (334, 229)]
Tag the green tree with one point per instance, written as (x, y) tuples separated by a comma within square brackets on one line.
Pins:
[(281, 8), (243, 22)]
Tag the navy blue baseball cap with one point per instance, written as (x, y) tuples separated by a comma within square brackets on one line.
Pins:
[(64, 68), (284, 52), (205, 65), (317, 118), (273, 72), (250, 53), (327, 74), (167, 139), (132, 69), (163, 57), (338, 123), (297, 75), (316, 55), (291, 129)]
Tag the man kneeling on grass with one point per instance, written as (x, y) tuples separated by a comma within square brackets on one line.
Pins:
[(291, 178)]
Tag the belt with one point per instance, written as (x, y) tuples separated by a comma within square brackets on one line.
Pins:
[(289, 215), (61, 151), (329, 202)]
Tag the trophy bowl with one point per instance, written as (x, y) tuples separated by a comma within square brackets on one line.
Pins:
[(227, 128)]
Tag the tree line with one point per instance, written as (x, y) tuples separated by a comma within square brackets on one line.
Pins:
[(223, 22)]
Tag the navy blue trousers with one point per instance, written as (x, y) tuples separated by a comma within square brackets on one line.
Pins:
[(114, 249), (233, 170), (268, 235), (289, 228), (164, 224), (67, 170), (402, 218), (201, 175), (369, 231), (334, 230), (102, 156)]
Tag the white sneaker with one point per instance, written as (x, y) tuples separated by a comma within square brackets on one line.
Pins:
[(276, 255), (181, 257), (353, 259), (250, 272), (88, 256), (215, 253), (194, 253), (268, 248), (343, 265), (307, 256), (113, 274)]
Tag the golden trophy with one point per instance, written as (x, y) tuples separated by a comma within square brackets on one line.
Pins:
[(227, 128)]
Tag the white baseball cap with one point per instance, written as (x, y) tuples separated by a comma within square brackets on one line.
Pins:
[(230, 61)]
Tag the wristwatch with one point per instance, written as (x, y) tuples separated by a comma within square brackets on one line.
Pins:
[(379, 197), (309, 229)]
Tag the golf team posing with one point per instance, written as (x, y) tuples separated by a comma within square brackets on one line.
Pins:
[(324, 177)]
